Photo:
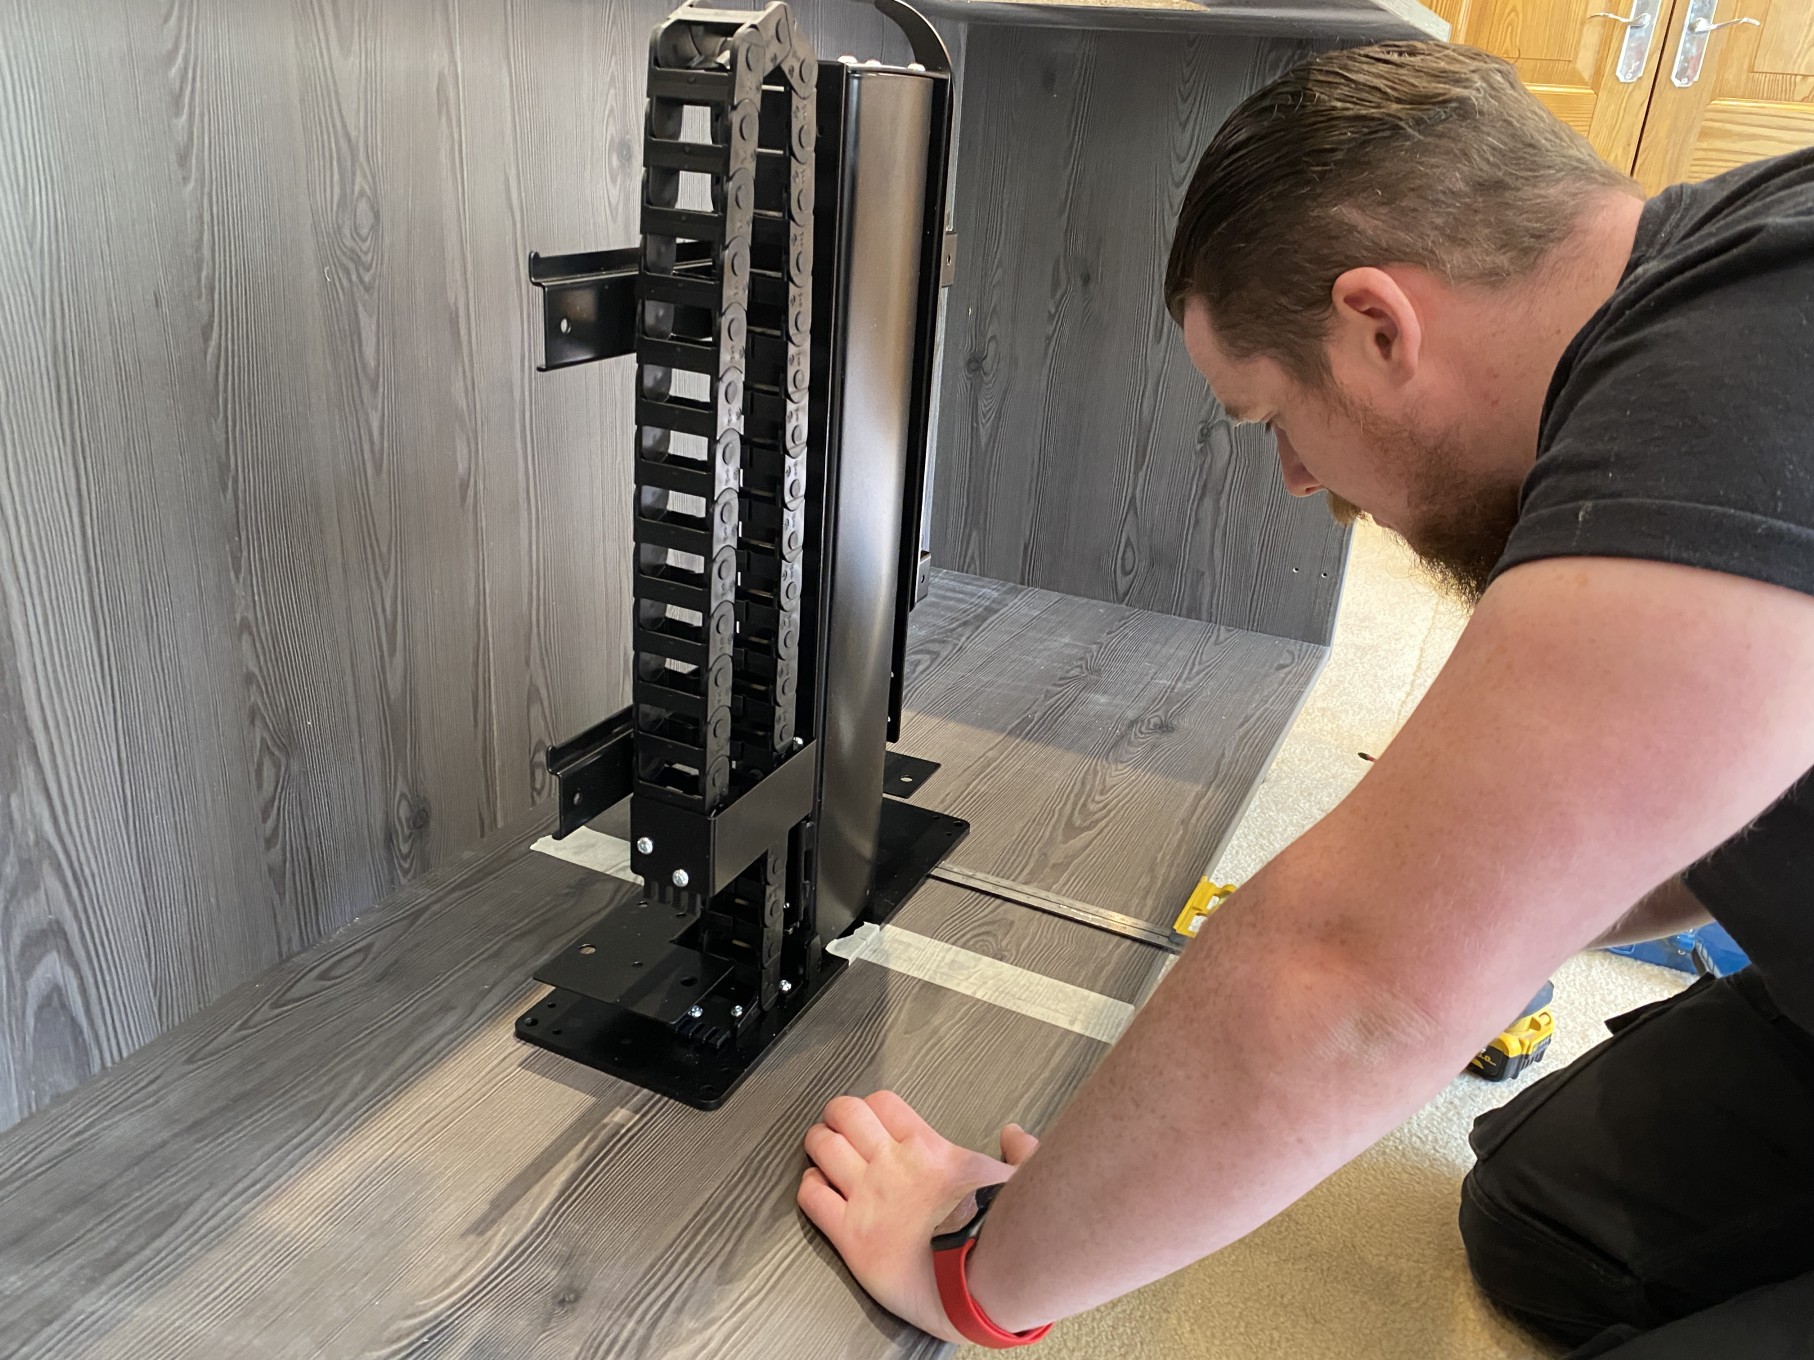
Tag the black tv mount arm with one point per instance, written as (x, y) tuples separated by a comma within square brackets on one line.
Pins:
[(784, 339)]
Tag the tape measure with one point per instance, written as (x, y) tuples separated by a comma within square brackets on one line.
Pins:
[(1204, 899)]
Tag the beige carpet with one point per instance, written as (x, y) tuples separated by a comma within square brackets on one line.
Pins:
[(1369, 1266)]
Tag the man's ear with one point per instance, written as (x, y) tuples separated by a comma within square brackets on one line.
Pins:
[(1374, 333)]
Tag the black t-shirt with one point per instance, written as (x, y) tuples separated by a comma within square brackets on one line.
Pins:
[(1679, 427)]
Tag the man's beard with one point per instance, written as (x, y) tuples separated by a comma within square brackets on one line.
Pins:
[(1460, 531)]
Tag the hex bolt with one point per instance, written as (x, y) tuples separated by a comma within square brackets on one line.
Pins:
[(736, 1012), (644, 846), (680, 878), (786, 986), (696, 1011)]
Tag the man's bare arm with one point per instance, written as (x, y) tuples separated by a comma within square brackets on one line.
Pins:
[(1350, 979), (1668, 909)]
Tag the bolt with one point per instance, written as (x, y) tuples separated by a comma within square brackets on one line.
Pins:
[(799, 742), (736, 1012), (696, 1011), (786, 986), (680, 878), (644, 846), (566, 325)]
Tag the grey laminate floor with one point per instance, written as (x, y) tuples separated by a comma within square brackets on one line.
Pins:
[(352, 1156), (1099, 752)]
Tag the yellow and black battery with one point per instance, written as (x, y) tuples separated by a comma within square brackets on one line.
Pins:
[(1523, 1043)]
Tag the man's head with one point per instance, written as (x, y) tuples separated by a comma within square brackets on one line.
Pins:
[(1383, 254)]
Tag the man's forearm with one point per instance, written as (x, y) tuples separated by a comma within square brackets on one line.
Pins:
[(1259, 1067), (1214, 1074), (1666, 910), (1347, 983)]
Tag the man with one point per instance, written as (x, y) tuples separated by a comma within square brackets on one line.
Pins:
[(1596, 414)]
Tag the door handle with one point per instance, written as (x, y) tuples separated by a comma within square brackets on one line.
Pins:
[(1691, 50), (1640, 30)]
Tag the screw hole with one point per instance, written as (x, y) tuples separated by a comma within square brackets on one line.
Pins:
[(636, 963), (688, 981), (554, 1031), (550, 1005), (576, 792), (566, 325), (531, 1021)]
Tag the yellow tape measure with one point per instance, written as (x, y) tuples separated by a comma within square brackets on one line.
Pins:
[(1204, 900)]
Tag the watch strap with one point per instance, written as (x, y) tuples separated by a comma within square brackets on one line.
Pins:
[(950, 1254)]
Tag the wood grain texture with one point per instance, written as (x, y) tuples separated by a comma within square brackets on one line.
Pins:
[(1078, 449), (354, 1157), (1099, 752), (301, 565)]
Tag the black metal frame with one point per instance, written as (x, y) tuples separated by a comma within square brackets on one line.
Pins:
[(721, 751)]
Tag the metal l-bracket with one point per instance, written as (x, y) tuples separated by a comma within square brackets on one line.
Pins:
[(589, 302)]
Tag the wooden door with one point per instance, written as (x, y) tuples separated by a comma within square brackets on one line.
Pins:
[(1752, 95), (1573, 55)]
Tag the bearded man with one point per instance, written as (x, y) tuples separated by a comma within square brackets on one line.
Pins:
[(1593, 414)]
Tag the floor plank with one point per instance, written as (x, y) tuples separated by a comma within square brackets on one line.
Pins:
[(1098, 752), (354, 1156)]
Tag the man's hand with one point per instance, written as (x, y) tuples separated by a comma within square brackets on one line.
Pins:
[(884, 1182)]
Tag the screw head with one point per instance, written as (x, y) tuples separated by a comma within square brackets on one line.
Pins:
[(736, 1012), (644, 846), (786, 986), (696, 1011), (680, 878)]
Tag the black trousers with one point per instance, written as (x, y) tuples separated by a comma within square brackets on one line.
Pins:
[(1654, 1200)]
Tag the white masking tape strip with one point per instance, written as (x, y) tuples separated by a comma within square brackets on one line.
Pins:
[(592, 850), (1000, 984)]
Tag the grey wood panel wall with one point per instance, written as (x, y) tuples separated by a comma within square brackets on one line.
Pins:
[(301, 565), (1078, 449)]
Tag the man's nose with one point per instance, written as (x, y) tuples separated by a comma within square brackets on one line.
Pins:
[(1298, 480)]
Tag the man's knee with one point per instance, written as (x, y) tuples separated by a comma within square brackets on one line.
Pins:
[(1529, 1269), (1521, 1227)]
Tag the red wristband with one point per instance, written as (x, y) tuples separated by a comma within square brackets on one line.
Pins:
[(949, 1253), (965, 1314)]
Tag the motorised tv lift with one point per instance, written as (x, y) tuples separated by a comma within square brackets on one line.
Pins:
[(784, 337)]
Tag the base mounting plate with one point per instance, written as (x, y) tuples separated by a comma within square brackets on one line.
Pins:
[(656, 1056)]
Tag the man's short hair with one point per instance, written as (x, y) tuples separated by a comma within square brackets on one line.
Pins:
[(1417, 153)]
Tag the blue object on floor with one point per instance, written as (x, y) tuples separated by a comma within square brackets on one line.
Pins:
[(1677, 951)]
